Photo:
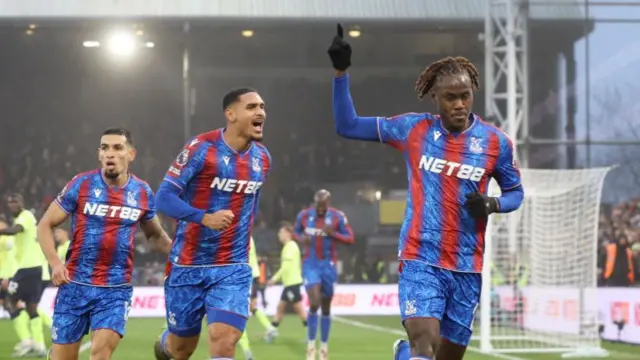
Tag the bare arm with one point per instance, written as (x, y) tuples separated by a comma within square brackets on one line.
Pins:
[(156, 235), (52, 218), (12, 230)]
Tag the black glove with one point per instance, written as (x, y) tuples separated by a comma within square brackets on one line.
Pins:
[(481, 205), (340, 51)]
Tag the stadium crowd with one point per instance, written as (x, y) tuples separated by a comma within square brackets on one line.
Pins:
[(40, 169), (619, 238), (41, 156)]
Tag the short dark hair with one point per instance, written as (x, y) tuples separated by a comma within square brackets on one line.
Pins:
[(234, 95), (120, 131), (14, 196)]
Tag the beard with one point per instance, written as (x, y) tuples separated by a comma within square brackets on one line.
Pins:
[(111, 174)]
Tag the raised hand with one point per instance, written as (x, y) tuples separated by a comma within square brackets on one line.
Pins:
[(340, 51)]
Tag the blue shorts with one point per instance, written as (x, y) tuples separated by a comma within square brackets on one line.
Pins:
[(323, 273), (427, 291), (222, 292), (79, 308)]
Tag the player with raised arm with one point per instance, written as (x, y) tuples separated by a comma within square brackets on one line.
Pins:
[(26, 284), (95, 291), (290, 274), (450, 158), (212, 189), (319, 228)]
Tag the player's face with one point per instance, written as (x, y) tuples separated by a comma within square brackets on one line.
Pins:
[(3, 225), (115, 155), (454, 97), (15, 205), (248, 115), (321, 207), (284, 235)]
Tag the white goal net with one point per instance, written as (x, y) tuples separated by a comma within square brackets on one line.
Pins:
[(541, 267)]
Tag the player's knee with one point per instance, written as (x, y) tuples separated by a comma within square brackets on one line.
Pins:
[(33, 313), (313, 308), (314, 303), (326, 307), (101, 350), (182, 349), (14, 313), (425, 342), (224, 342)]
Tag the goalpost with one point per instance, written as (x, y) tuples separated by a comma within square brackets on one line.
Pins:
[(540, 270)]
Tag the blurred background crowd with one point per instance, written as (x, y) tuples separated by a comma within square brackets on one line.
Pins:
[(60, 90)]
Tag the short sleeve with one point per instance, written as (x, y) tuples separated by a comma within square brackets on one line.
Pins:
[(187, 164), (67, 199), (507, 174), (394, 131), (26, 219), (151, 205), (298, 227)]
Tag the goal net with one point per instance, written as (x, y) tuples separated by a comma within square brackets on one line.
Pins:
[(541, 267)]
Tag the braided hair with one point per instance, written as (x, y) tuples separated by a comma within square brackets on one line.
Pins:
[(447, 66)]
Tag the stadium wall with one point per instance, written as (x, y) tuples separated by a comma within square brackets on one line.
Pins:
[(544, 310)]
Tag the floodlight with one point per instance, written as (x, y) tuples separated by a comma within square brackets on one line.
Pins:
[(121, 44), (91, 43)]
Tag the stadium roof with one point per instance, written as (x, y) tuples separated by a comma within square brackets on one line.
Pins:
[(393, 10)]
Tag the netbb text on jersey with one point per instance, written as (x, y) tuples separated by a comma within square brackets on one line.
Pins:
[(112, 211), (236, 186), (451, 168)]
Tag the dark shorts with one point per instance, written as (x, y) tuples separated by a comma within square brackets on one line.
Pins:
[(26, 285), (291, 294)]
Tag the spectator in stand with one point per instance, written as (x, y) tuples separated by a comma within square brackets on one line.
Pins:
[(619, 269)]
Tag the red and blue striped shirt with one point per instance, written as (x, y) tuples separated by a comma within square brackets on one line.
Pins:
[(212, 176), (442, 168), (104, 220), (322, 245)]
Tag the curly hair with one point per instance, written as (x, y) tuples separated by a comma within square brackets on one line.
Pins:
[(447, 66)]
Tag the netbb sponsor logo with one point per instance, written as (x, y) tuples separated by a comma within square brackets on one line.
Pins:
[(112, 211), (451, 168), (236, 186)]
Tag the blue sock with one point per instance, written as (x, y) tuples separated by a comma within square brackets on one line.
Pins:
[(163, 341), (312, 326), (403, 351), (325, 328)]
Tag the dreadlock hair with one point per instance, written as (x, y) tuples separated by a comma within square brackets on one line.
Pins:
[(447, 66)]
